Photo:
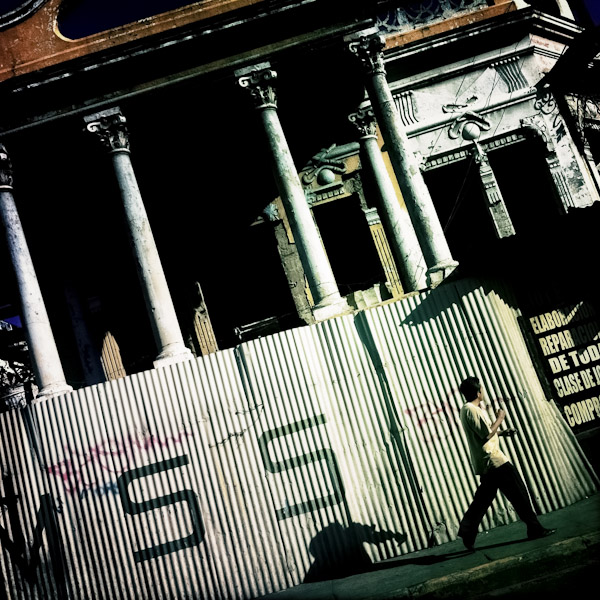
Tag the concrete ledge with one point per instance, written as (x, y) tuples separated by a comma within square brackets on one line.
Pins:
[(507, 571)]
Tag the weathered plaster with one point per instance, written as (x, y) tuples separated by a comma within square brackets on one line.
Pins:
[(36, 43)]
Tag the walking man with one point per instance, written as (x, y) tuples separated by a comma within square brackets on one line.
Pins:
[(493, 467)]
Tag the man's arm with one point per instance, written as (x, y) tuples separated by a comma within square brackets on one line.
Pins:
[(499, 418)]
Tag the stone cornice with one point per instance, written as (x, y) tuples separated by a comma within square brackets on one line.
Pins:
[(124, 71), (400, 47), (529, 26)]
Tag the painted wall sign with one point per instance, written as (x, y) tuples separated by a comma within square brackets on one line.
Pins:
[(569, 342)]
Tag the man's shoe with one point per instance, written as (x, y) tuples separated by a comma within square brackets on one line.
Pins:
[(468, 540), (541, 534)]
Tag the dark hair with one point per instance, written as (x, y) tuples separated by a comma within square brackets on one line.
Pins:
[(469, 388)]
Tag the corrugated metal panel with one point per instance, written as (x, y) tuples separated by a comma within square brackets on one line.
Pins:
[(283, 460)]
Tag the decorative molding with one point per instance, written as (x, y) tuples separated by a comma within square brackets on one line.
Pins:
[(469, 125), (369, 50), (354, 185), (447, 159), (372, 216), (325, 193), (320, 162), (418, 13), (6, 170), (260, 85), (111, 128), (537, 125), (271, 213), (452, 157), (545, 102), (11, 17), (364, 120), (495, 201), (405, 103), (560, 181), (454, 108), (511, 73), (513, 138)]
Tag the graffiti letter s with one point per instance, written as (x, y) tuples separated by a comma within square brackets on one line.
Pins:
[(135, 508), (323, 454)]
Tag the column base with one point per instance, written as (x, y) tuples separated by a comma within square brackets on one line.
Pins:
[(171, 356), (52, 390), (439, 272), (332, 308)]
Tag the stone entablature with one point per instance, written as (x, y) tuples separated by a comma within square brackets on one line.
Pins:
[(495, 94)]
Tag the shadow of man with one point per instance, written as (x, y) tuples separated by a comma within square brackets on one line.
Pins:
[(339, 550)]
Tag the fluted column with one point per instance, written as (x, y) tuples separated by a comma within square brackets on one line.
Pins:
[(45, 360), (111, 128), (369, 49), (398, 227), (259, 81)]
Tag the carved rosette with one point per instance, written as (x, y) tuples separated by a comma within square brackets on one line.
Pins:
[(6, 172), (260, 84), (364, 120), (369, 50), (111, 129)]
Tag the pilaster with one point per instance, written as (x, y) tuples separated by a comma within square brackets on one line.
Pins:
[(574, 183), (469, 126)]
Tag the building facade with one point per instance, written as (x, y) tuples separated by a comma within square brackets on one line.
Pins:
[(252, 247)]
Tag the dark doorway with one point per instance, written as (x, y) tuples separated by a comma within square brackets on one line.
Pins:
[(349, 244)]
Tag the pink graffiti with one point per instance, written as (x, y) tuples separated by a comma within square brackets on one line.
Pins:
[(80, 470), (428, 412)]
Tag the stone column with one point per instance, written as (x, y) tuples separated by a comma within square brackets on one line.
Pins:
[(111, 128), (45, 360), (369, 49), (397, 224), (259, 81)]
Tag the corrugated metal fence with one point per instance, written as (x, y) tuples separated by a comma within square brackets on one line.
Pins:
[(257, 468)]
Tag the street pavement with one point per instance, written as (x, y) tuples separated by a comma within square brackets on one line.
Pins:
[(505, 564)]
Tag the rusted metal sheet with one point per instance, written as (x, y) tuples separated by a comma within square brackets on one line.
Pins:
[(290, 458)]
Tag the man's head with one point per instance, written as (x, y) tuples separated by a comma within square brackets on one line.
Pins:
[(470, 388)]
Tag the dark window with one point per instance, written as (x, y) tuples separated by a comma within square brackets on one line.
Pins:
[(80, 18)]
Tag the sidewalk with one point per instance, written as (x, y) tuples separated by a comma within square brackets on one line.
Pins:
[(503, 557)]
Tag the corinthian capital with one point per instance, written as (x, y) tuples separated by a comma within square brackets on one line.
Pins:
[(111, 128), (369, 50), (364, 119), (259, 81), (6, 172)]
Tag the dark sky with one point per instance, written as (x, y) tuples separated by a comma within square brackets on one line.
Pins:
[(80, 18)]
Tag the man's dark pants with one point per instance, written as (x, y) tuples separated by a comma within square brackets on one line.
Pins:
[(508, 480)]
